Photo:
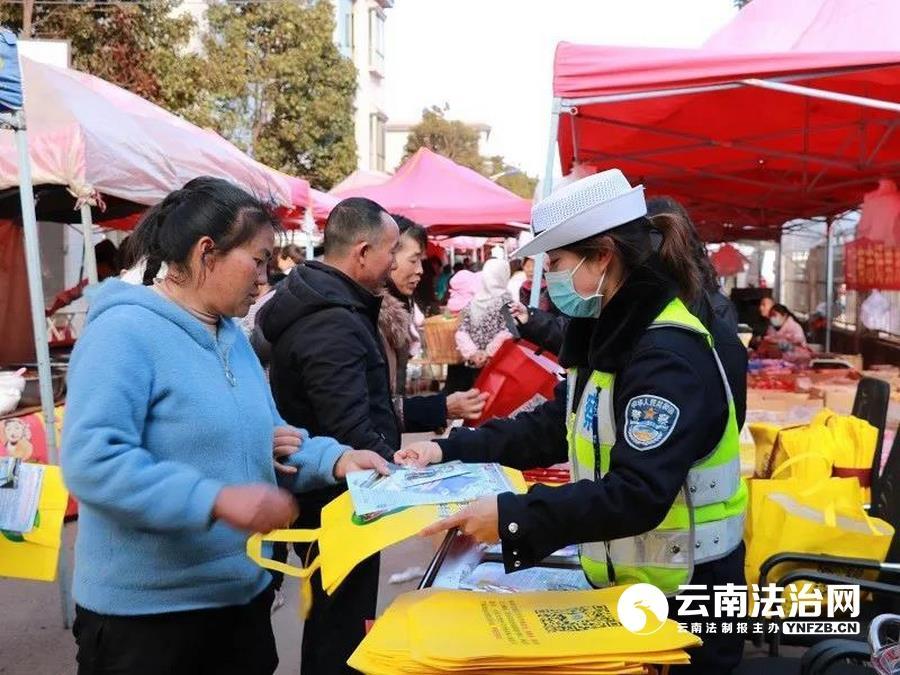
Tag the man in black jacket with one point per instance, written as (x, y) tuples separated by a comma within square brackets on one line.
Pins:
[(329, 375)]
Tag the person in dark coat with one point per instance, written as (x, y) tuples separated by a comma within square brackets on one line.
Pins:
[(329, 371), (645, 416), (395, 323)]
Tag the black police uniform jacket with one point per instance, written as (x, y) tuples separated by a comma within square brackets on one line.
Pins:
[(640, 487)]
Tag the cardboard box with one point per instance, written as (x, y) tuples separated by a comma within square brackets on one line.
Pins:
[(767, 399), (781, 407)]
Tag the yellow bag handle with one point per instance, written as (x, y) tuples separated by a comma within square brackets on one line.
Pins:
[(830, 518), (254, 551), (796, 460)]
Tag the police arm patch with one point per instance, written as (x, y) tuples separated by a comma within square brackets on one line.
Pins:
[(649, 421)]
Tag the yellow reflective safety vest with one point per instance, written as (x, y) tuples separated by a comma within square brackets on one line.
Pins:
[(706, 521)]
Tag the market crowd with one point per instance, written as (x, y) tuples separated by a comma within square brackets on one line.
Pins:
[(225, 385)]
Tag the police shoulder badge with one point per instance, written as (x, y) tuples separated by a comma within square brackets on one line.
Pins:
[(649, 421)]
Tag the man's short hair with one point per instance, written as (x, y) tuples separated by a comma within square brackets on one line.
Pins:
[(350, 221)]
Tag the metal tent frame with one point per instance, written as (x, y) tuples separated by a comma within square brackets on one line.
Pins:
[(811, 182), (16, 123)]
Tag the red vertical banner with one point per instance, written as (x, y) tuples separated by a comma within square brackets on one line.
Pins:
[(870, 265)]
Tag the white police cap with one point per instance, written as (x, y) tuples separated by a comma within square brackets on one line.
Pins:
[(582, 209)]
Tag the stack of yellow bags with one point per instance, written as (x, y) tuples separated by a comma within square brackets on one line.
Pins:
[(441, 631)]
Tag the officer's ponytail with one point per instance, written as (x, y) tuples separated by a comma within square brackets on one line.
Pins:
[(635, 244), (677, 253)]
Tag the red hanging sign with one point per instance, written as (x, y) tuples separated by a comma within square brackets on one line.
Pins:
[(870, 265)]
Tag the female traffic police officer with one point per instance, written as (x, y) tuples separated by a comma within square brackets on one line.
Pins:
[(646, 416)]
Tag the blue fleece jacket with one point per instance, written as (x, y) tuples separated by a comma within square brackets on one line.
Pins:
[(161, 415)]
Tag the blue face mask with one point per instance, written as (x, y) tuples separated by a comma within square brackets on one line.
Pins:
[(561, 287)]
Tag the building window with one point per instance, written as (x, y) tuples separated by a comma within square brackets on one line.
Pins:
[(376, 41), (377, 141), (344, 32)]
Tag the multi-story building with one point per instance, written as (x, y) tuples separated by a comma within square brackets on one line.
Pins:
[(360, 35)]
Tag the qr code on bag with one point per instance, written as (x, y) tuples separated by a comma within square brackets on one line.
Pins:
[(570, 619)]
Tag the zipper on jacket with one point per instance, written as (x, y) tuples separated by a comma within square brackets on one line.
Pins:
[(223, 356)]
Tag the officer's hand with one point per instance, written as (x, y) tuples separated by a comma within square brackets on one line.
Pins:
[(519, 312), (360, 460), (419, 454), (286, 442), (479, 520), (258, 507), (466, 405)]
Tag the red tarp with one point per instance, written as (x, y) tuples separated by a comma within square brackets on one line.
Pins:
[(743, 159), (16, 332), (447, 198)]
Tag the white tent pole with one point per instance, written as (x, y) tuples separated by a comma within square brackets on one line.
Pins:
[(309, 226), (87, 231), (547, 188), (39, 324), (863, 101), (829, 281), (36, 292), (778, 263)]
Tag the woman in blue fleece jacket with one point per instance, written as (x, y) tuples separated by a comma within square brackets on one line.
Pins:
[(169, 441)]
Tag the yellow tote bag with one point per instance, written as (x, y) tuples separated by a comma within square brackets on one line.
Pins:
[(855, 441), (34, 555), (847, 442), (345, 540), (764, 435), (821, 491), (515, 628), (803, 524), (402, 643), (801, 441)]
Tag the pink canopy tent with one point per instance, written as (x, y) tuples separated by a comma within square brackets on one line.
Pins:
[(94, 137), (104, 145), (812, 26), (748, 134), (447, 198), (322, 203), (361, 178)]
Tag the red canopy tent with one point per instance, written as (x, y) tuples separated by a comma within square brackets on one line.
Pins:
[(747, 134), (448, 199), (789, 112)]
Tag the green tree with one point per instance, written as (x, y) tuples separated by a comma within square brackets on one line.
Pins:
[(138, 46), (450, 138), (513, 179), (459, 141), (277, 86)]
